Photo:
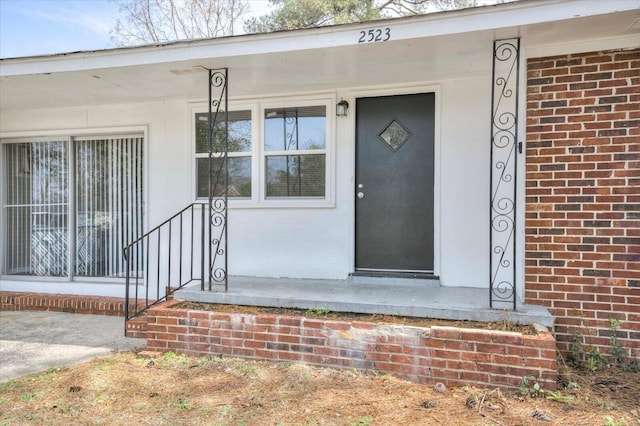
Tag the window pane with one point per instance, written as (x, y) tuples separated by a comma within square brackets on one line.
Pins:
[(239, 132), (36, 188), (239, 177), (108, 203), (288, 129), (296, 175)]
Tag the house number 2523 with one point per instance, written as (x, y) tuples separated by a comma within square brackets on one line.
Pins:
[(375, 35)]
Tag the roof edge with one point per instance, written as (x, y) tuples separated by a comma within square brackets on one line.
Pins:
[(524, 12)]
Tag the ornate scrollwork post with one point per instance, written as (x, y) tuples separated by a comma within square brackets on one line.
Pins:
[(504, 145), (218, 140)]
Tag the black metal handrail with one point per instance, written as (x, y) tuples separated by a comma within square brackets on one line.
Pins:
[(167, 258), (150, 260)]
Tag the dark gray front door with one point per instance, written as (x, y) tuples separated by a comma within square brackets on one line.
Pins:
[(394, 183)]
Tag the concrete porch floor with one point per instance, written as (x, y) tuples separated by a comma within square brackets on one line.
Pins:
[(416, 298)]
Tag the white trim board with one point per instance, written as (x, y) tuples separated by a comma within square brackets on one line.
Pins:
[(506, 15)]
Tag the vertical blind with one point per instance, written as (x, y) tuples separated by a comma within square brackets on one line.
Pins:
[(108, 213), (37, 208), (100, 177)]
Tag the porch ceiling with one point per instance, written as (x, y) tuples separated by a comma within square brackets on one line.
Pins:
[(291, 62), (256, 75)]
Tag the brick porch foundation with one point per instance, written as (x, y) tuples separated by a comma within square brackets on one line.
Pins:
[(71, 303), (455, 356)]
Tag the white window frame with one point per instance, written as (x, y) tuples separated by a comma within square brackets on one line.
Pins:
[(258, 197), (236, 107)]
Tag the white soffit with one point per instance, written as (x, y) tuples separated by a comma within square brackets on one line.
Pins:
[(426, 48)]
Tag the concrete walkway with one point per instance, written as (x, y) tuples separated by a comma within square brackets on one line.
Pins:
[(32, 342)]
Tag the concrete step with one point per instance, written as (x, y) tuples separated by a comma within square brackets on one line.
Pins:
[(405, 297)]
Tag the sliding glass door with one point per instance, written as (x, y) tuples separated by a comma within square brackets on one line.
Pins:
[(71, 205), (37, 208), (108, 213)]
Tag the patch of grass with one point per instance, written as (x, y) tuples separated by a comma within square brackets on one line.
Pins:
[(184, 405), (316, 311), (27, 397), (6, 385), (618, 353), (363, 421), (529, 386), (242, 368), (298, 374), (593, 359), (605, 405), (99, 385), (226, 411), (505, 324), (50, 374), (557, 396), (103, 365), (29, 417), (142, 406), (610, 421), (576, 353), (169, 356)]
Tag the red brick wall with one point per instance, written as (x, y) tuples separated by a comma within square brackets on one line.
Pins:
[(583, 194), (72, 303), (454, 356)]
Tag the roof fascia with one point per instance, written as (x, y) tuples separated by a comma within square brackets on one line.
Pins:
[(517, 14)]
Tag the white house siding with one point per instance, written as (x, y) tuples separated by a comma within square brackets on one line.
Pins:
[(464, 170), (301, 242)]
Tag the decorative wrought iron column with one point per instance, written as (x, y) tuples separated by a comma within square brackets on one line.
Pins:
[(218, 182), (504, 146)]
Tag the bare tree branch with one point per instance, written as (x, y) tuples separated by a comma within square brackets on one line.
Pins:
[(290, 14), (157, 21)]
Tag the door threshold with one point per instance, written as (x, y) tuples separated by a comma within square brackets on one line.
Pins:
[(395, 274), (394, 278)]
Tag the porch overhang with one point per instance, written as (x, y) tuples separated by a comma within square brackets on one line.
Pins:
[(432, 47)]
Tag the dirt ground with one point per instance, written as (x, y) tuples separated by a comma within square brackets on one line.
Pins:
[(128, 388), (125, 389)]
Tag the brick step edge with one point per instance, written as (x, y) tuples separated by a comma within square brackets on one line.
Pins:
[(137, 327), (70, 303)]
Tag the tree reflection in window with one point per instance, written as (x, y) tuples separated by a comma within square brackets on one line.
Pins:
[(294, 143), (239, 183)]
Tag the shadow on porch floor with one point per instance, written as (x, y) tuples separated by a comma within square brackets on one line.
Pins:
[(396, 297)]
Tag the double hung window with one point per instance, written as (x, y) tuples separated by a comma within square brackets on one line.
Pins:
[(240, 149), (276, 152), (295, 141), (71, 205)]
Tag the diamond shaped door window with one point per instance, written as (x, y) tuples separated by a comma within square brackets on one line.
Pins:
[(395, 135)]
